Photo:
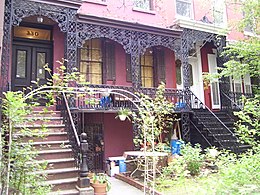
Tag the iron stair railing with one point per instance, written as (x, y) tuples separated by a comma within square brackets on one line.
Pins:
[(63, 106), (228, 103), (198, 104), (197, 129)]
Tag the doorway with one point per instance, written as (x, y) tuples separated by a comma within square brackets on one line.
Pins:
[(96, 147), (28, 62)]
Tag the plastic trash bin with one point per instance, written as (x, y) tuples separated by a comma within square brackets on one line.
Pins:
[(122, 166)]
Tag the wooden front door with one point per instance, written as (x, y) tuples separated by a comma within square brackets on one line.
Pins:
[(28, 64)]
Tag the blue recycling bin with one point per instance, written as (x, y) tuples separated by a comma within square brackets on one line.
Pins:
[(122, 166), (176, 146)]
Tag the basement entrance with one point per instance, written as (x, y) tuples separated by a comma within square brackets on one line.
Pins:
[(95, 153)]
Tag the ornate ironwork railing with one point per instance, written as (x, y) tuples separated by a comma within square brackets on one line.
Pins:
[(106, 101), (63, 106), (228, 103), (236, 97), (219, 126)]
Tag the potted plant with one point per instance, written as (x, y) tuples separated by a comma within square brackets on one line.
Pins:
[(101, 184), (123, 114)]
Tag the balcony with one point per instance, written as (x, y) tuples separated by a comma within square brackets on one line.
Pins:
[(110, 98)]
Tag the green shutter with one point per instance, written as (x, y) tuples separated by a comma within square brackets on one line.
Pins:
[(161, 66), (110, 61), (128, 68)]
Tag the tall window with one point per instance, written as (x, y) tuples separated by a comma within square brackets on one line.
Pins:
[(147, 68), (179, 74), (219, 12), (97, 61), (247, 84), (184, 8), (152, 67), (144, 4)]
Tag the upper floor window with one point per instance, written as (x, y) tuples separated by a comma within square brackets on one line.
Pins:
[(97, 61), (184, 8), (144, 4), (219, 12), (153, 67)]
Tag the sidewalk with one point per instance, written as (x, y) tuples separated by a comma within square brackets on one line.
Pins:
[(119, 187)]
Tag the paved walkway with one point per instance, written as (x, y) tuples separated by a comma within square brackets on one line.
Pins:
[(119, 187)]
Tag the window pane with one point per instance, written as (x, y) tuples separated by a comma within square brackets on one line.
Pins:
[(143, 4), (183, 8), (91, 61), (147, 69), (218, 11), (95, 68), (21, 64), (41, 61), (238, 87), (215, 93), (248, 89)]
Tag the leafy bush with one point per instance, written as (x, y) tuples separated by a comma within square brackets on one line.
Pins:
[(193, 158), (18, 157)]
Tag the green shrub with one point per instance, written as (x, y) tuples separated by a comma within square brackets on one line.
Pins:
[(193, 158)]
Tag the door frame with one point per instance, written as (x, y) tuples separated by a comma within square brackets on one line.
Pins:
[(213, 69), (20, 42)]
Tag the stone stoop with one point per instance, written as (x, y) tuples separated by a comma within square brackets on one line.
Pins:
[(54, 149)]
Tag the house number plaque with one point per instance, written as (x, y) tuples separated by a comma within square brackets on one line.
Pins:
[(32, 33)]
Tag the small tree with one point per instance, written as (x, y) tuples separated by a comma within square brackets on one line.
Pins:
[(155, 114)]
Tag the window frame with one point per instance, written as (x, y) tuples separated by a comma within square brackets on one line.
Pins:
[(191, 9), (107, 65), (150, 8), (224, 13), (158, 67)]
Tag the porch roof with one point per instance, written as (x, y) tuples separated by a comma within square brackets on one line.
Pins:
[(67, 3), (134, 26)]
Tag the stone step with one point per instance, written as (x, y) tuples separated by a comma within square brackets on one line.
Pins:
[(64, 192), (58, 163), (63, 173), (43, 108), (43, 121), (42, 137), (37, 126), (50, 145), (45, 114), (54, 154), (63, 184)]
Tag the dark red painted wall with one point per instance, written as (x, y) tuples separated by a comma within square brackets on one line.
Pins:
[(118, 135), (58, 46), (120, 59), (170, 69), (205, 50)]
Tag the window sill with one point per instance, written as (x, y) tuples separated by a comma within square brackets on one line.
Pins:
[(98, 2), (136, 9)]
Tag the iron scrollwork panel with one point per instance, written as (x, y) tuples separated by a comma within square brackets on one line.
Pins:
[(7, 40), (185, 120)]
